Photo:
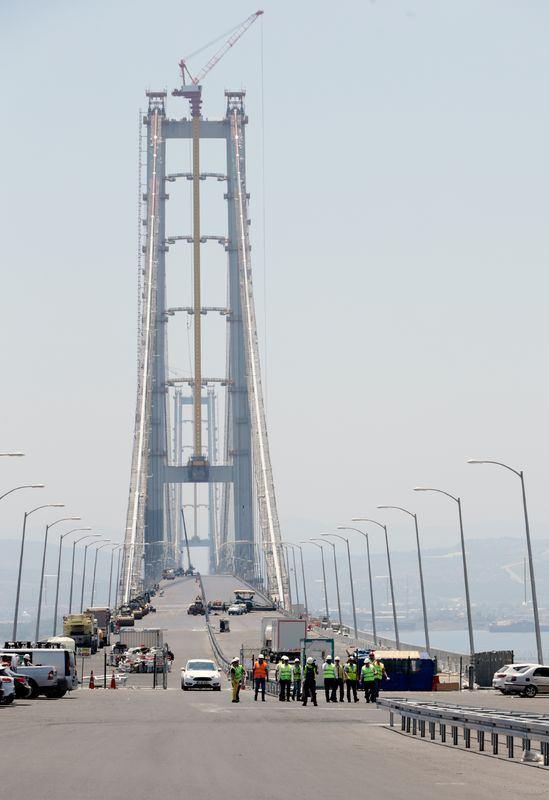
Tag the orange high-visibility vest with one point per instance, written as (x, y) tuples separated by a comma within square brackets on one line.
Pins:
[(261, 670)]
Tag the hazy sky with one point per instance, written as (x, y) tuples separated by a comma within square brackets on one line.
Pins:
[(406, 174)]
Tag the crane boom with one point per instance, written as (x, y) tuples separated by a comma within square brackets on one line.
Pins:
[(239, 32)]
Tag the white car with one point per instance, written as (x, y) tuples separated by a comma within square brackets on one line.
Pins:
[(498, 681), (235, 609), (8, 685), (200, 674), (528, 681)]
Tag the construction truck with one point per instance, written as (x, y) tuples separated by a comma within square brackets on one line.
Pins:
[(197, 607), (83, 629), (125, 618), (282, 637), (102, 616)]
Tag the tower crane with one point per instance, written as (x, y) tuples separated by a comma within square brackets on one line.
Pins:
[(237, 34)]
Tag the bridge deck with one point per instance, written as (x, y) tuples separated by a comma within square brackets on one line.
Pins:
[(140, 744)]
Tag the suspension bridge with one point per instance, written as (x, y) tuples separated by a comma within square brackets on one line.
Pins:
[(243, 526)]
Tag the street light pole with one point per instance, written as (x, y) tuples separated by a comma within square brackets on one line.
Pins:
[(294, 546), (18, 590), (344, 539), (81, 539), (464, 560), (117, 547), (84, 573), (289, 544), (420, 565), (535, 608), (39, 612), (101, 546), (303, 579), (337, 584), (74, 530), (118, 576), (363, 533), (295, 578), (316, 544), (25, 486), (395, 621)]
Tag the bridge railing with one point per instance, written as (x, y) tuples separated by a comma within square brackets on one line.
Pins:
[(419, 717), (222, 659)]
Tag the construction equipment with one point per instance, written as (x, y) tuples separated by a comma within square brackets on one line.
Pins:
[(83, 629), (239, 31)]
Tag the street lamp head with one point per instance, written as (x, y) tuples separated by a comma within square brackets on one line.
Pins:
[(422, 489), (55, 505), (15, 454), (37, 486)]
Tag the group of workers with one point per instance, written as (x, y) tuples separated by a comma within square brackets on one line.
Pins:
[(298, 682)]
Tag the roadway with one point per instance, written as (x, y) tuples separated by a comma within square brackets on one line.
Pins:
[(142, 743)]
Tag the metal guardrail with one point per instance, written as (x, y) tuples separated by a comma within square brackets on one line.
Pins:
[(219, 654), (271, 687), (415, 716)]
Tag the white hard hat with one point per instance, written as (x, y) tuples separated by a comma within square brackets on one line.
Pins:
[(328, 658), (296, 660), (261, 655), (235, 659), (27, 655), (310, 660), (337, 658), (285, 658)]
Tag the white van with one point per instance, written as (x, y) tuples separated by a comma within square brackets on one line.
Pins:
[(63, 660)]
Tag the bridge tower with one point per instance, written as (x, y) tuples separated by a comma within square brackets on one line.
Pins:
[(248, 521)]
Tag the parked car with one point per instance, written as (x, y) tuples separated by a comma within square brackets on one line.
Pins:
[(235, 609), (8, 686), (498, 681), (200, 674), (59, 659), (528, 681), (23, 689)]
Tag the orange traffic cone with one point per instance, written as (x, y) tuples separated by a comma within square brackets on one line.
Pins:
[(91, 684), (113, 681)]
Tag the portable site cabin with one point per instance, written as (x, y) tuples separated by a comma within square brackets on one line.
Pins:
[(407, 670)]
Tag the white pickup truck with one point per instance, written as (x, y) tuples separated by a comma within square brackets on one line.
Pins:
[(41, 679)]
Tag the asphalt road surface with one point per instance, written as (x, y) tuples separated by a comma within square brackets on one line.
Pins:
[(139, 743)]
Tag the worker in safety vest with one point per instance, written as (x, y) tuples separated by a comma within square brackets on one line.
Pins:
[(260, 675), (351, 678), (296, 680), (284, 677), (368, 676), (310, 671), (328, 669), (236, 674), (339, 678), (379, 669)]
